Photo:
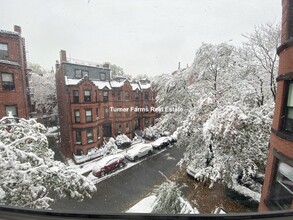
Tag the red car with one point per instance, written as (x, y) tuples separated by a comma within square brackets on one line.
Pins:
[(108, 164)]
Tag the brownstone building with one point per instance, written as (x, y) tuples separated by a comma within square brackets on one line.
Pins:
[(13, 79), (277, 192), (92, 107)]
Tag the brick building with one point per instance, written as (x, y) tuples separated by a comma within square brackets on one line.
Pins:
[(277, 192), (92, 107), (13, 79)]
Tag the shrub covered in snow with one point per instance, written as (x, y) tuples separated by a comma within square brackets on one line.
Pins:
[(169, 200), (111, 147), (28, 172)]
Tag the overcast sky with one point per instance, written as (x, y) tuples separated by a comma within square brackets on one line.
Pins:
[(142, 36)]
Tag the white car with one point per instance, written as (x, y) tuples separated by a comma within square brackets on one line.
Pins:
[(160, 142), (138, 151)]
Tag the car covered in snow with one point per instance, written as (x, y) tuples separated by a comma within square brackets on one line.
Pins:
[(160, 142), (108, 164), (138, 151)]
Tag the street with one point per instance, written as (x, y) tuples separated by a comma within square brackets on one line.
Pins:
[(118, 193)]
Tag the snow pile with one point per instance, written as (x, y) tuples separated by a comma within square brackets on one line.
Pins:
[(147, 204)]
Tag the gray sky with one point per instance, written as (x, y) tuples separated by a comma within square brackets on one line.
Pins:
[(142, 36)]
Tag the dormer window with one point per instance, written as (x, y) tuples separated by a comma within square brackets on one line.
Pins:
[(78, 74), (103, 76)]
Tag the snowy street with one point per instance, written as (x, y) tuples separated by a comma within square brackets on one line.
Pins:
[(118, 193)]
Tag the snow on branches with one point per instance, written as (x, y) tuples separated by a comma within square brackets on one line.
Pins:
[(227, 96), (29, 176)]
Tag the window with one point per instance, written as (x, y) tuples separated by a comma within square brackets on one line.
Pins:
[(97, 113), (136, 94), (127, 127), (105, 95), (146, 96), (7, 81), (88, 115), (136, 123), (126, 96), (78, 74), (87, 96), (103, 76), (106, 112), (11, 109), (85, 73), (119, 128), (77, 116), (3, 50), (89, 135), (78, 136), (281, 192), (107, 130), (289, 109), (146, 122), (119, 98), (75, 96)]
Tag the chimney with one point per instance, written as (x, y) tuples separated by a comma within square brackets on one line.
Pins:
[(63, 56), (106, 65), (17, 29), (179, 66)]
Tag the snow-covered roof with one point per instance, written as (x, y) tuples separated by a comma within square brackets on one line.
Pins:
[(116, 84), (9, 62), (84, 63), (135, 86), (69, 81), (9, 32), (102, 84), (145, 86)]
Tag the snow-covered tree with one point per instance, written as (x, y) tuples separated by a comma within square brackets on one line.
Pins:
[(43, 89), (227, 101), (29, 177), (260, 49), (168, 199)]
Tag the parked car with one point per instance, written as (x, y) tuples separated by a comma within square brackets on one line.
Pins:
[(160, 142), (122, 145), (108, 164), (138, 151)]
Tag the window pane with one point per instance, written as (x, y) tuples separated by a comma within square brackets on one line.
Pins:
[(12, 109), (286, 170), (3, 47), (290, 95), (7, 77), (87, 93), (77, 113), (290, 113)]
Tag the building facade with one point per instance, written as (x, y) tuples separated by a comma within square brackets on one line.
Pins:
[(277, 192), (92, 107), (13, 69)]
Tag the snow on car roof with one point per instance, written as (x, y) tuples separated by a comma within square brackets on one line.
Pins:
[(105, 160), (137, 147)]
